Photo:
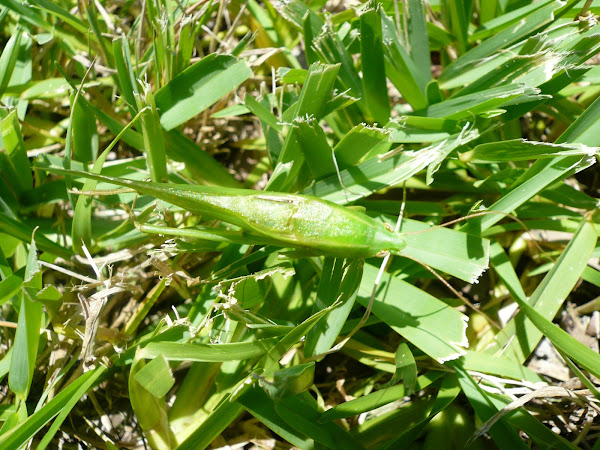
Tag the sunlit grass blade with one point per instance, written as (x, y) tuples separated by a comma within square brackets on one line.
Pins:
[(311, 102), (9, 286), (154, 143), (359, 142), (501, 366), (330, 50), (377, 399), (339, 283), (198, 87), (374, 174), (125, 72), (462, 255), (27, 337), (374, 83), (151, 409), (174, 351), (8, 59), (492, 25), (466, 106), (399, 67), (314, 146), (23, 232), (522, 150), (219, 418), (510, 35), (415, 29), (416, 315)]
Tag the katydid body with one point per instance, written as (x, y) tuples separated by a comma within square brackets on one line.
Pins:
[(299, 221)]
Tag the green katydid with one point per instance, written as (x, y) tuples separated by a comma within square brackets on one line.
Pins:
[(309, 224)]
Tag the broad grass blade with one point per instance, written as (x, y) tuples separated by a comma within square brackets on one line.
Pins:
[(198, 87), (374, 83), (416, 316)]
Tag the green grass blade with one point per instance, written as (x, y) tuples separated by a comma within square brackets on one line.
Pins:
[(376, 399), (374, 174), (9, 287), (63, 14), (174, 351), (27, 337), (14, 161), (457, 12), (416, 38), (340, 280), (463, 255), (497, 365), (127, 82), (81, 230), (400, 68), (85, 134), (524, 421), (551, 293), (8, 59), (198, 87), (297, 333), (357, 143), (503, 434), (331, 50), (374, 84), (311, 103), (151, 409), (154, 143), (23, 232), (406, 368), (522, 150), (473, 104), (447, 393), (314, 146), (578, 352), (510, 35), (217, 421), (493, 25), (61, 404), (261, 406), (200, 166), (28, 14), (416, 315), (156, 377), (557, 169), (583, 130), (415, 129), (302, 413)]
